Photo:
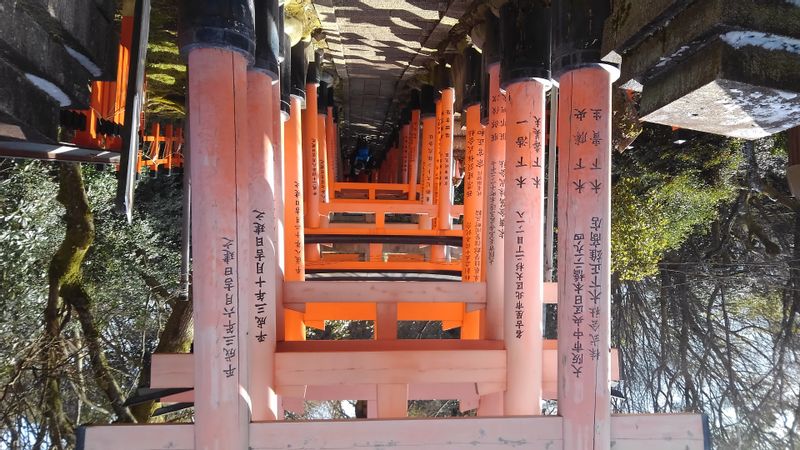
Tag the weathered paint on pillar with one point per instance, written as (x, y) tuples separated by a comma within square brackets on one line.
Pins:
[(294, 250), (474, 186), (446, 160), (438, 251), (474, 219), (217, 123), (436, 156), (312, 193), (258, 287), (405, 132), (413, 154), (523, 240), (311, 157), (428, 144), (322, 140), (332, 152), (495, 205), (494, 201), (584, 247)]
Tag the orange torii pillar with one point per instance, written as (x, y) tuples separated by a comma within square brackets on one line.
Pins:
[(437, 142), (524, 74), (311, 157), (413, 144), (330, 145), (218, 136), (444, 221), (428, 114), (495, 198), (281, 89), (405, 134), (322, 140), (584, 224), (294, 250), (474, 185), (256, 174), (584, 247), (494, 201)]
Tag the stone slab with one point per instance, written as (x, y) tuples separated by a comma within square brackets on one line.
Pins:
[(84, 27), (24, 108), (734, 87), (27, 44), (671, 30)]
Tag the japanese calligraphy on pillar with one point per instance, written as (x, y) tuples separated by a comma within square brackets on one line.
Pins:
[(445, 151), (298, 227), (314, 167), (429, 146), (230, 343), (524, 202), (578, 280), (261, 307), (586, 182), (496, 175), (584, 214), (523, 246), (473, 196)]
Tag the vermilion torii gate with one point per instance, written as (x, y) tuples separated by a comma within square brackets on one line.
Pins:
[(263, 196)]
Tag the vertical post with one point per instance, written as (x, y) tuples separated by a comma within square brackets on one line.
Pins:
[(552, 158), (405, 148), (446, 160), (438, 252), (474, 185), (525, 74), (281, 92), (494, 201), (584, 223), (217, 123), (330, 145), (413, 143), (523, 246), (311, 158), (428, 115), (584, 219), (294, 249), (322, 140), (256, 175)]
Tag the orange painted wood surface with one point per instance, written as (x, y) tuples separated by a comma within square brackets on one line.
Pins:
[(413, 154), (311, 188), (218, 124), (649, 431), (523, 241), (495, 206), (584, 141), (294, 249), (258, 274), (395, 367), (384, 292), (445, 180), (322, 154), (428, 147), (332, 151)]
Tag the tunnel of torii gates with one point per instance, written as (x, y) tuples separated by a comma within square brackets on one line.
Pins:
[(264, 151)]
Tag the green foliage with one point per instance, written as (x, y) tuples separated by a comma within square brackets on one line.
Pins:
[(165, 71), (649, 221), (663, 194), (128, 314)]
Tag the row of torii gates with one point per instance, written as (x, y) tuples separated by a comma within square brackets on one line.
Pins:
[(264, 186)]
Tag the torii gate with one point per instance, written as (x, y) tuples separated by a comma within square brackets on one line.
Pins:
[(257, 225)]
